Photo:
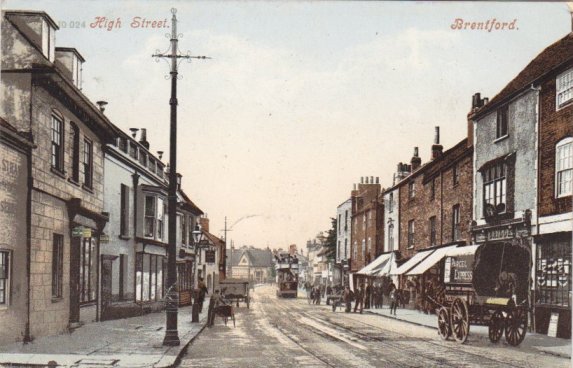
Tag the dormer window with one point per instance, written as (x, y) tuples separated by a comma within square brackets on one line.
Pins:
[(48, 40), (77, 71)]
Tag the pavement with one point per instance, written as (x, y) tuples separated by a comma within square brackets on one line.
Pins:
[(128, 342)]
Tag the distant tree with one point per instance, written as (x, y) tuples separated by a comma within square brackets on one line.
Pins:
[(330, 239)]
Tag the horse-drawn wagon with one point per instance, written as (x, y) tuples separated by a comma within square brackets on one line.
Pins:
[(485, 285), (235, 290)]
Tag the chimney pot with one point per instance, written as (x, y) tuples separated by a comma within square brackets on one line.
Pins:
[(362, 180), (101, 105), (134, 132), (160, 154), (377, 180), (437, 136), (415, 151), (371, 180)]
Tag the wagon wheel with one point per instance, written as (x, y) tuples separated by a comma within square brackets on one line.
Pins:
[(496, 325), (515, 326), (460, 322), (444, 327)]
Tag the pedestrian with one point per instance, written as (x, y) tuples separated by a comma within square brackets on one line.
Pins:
[(394, 298), (317, 295), (347, 297), (359, 297), (202, 291), (215, 301), (367, 297)]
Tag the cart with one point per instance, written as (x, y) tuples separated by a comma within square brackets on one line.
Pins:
[(488, 288), (235, 290), (225, 312)]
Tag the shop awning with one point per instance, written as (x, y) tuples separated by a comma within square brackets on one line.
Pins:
[(413, 262), (468, 250), (375, 265), (387, 268), (434, 258)]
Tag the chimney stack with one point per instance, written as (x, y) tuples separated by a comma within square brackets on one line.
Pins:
[(204, 222), (437, 148), (416, 161), (143, 138)]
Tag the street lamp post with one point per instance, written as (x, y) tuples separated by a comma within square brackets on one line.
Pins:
[(171, 333)]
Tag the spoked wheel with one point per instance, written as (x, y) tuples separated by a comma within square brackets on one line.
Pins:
[(515, 326), (460, 321), (444, 327), (496, 325)]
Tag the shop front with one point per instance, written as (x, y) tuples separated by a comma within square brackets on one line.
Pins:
[(553, 285)]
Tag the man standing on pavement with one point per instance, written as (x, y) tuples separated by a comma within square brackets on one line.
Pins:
[(359, 296), (202, 291), (347, 296)]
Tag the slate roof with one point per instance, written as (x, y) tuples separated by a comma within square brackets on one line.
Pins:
[(257, 257), (553, 57)]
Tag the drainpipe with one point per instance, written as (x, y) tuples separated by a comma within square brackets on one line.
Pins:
[(27, 336), (537, 203)]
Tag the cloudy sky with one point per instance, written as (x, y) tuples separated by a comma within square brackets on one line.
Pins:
[(300, 99)]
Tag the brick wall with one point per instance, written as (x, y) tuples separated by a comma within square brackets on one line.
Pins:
[(446, 195), (553, 126)]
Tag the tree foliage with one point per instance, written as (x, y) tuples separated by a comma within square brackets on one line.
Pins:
[(330, 240)]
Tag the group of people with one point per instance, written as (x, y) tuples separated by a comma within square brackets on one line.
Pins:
[(367, 297)]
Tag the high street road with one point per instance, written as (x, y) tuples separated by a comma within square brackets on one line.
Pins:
[(292, 333)]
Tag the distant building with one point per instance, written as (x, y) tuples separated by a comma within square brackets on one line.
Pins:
[(367, 228), (343, 241), (252, 264)]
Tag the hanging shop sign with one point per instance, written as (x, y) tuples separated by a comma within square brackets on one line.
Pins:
[(77, 232), (104, 238), (210, 256)]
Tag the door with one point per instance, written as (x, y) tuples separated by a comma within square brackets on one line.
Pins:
[(106, 282)]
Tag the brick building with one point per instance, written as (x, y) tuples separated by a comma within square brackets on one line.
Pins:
[(41, 96), (434, 205), (366, 229), (553, 240)]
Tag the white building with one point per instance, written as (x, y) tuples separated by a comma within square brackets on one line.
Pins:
[(343, 232)]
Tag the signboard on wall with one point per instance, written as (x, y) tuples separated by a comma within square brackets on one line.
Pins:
[(210, 256)]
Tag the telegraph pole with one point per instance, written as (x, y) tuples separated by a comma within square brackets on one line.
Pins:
[(172, 297)]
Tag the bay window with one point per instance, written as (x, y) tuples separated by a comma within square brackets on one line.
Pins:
[(154, 217)]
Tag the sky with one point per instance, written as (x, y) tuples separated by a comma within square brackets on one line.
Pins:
[(300, 98)]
